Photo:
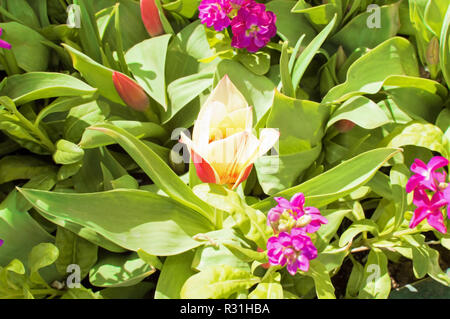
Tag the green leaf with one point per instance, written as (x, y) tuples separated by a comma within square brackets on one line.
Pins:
[(119, 270), (308, 54), (74, 250), (444, 49), (147, 61), (365, 225), (361, 111), (355, 280), (215, 251), (156, 169), (346, 178), (23, 88), (41, 255), (175, 271), (132, 219), (397, 56), (13, 222), (269, 288), (141, 130), (25, 40), (418, 134), (67, 153), (95, 74), (322, 281), (357, 33), (376, 282), (252, 223), (258, 62), (16, 167), (81, 293), (286, 80), (290, 26), (217, 282)]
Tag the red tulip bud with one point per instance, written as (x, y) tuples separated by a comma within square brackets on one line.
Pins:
[(344, 126), (151, 18), (130, 92)]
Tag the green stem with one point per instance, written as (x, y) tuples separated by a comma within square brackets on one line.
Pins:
[(43, 137)]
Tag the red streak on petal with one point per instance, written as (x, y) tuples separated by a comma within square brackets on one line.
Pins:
[(204, 171), (244, 176)]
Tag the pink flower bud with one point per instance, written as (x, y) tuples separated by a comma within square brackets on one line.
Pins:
[(151, 18), (130, 92)]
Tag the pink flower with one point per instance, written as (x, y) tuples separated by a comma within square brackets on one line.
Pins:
[(290, 214), (3, 43), (214, 13), (294, 249), (253, 27), (426, 175), (429, 209)]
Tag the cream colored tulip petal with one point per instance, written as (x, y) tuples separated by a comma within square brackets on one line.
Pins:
[(200, 135), (227, 93), (233, 123)]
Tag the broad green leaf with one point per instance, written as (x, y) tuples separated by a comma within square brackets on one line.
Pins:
[(361, 111), (81, 117), (119, 270), (175, 271), (132, 219), (156, 169), (13, 222), (376, 282), (397, 55), (185, 89), (258, 62), (25, 40), (147, 61), (23, 12), (346, 177), (419, 134), (16, 167), (141, 130), (23, 88), (290, 26), (95, 74), (41, 255), (357, 33), (74, 250), (217, 282)]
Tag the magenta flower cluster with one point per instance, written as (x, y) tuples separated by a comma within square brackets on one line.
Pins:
[(252, 25), (291, 223), (431, 192)]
